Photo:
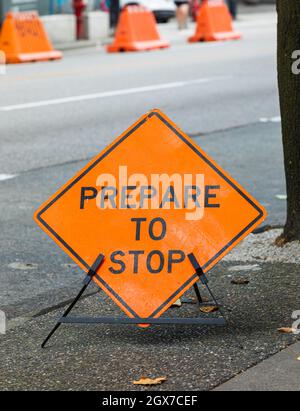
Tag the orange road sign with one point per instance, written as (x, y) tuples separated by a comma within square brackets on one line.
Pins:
[(147, 201)]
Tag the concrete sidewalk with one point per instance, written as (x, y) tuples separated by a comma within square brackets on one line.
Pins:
[(107, 357), (281, 372)]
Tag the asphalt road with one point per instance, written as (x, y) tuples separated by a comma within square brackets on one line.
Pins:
[(55, 116), (238, 87)]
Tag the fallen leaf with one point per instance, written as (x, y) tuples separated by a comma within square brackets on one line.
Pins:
[(177, 303), (150, 381), (209, 309), (240, 281), (286, 330), (281, 241)]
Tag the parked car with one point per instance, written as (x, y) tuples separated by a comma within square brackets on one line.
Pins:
[(163, 10)]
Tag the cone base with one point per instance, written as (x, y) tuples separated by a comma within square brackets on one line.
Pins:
[(223, 36), (138, 46), (33, 57)]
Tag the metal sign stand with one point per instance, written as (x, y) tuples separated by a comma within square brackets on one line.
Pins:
[(65, 319)]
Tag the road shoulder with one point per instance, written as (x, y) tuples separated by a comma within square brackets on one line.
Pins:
[(281, 372)]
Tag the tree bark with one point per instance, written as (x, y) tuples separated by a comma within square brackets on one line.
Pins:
[(289, 93)]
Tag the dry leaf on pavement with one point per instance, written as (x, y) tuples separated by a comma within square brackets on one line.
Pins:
[(209, 309), (150, 381), (286, 330), (177, 303)]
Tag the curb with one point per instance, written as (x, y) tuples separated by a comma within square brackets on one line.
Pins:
[(77, 45)]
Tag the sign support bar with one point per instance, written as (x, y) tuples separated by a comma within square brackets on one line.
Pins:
[(65, 319), (150, 320)]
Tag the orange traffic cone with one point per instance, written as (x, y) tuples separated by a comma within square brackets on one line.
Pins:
[(23, 39), (214, 23), (136, 31)]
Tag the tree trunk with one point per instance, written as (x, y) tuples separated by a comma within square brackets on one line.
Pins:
[(289, 92)]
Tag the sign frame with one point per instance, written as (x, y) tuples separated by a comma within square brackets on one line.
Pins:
[(66, 319), (94, 162)]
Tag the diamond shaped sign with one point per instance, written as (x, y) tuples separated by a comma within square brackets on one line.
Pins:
[(147, 201)]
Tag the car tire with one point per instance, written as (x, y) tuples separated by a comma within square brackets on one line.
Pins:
[(252, 2), (162, 20)]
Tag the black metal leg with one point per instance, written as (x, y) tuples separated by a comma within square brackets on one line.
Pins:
[(197, 291), (203, 279), (213, 297), (86, 282), (77, 298)]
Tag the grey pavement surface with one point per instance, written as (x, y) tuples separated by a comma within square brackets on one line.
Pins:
[(278, 373), (241, 90), (253, 156), (107, 357)]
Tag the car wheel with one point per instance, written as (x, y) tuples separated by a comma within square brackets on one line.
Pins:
[(252, 1), (162, 20)]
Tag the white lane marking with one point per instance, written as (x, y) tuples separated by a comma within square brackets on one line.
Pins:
[(281, 196), (4, 177), (114, 93), (270, 120)]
